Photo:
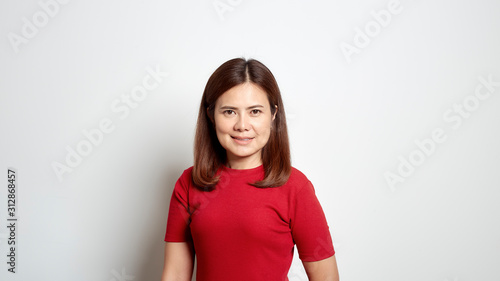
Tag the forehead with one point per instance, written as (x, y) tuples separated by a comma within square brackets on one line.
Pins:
[(243, 95)]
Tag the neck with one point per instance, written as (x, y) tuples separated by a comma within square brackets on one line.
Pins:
[(243, 164)]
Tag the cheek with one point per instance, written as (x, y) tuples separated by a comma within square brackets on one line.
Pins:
[(222, 128), (265, 128), (221, 135), (219, 125)]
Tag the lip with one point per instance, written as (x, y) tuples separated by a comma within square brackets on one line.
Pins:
[(242, 140)]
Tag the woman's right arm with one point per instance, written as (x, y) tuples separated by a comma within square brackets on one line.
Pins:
[(179, 262)]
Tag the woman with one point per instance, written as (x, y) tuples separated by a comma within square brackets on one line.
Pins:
[(241, 208)]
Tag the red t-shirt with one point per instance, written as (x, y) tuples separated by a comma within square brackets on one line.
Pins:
[(241, 232)]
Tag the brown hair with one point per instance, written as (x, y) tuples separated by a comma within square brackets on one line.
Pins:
[(209, 155)]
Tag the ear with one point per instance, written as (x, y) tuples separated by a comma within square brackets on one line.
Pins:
[(276, 111)]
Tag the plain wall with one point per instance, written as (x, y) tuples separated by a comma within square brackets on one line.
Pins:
[(389, 108)]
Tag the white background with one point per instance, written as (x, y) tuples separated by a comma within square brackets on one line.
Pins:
[(352, 119)]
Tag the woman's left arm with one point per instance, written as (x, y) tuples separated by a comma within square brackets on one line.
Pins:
[(323, 270)]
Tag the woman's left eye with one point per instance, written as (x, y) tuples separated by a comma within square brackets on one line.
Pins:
[(255, 111)]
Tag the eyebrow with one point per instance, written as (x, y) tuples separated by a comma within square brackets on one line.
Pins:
[(233, 108)]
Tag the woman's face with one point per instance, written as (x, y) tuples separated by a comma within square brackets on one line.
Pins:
[(243, 121)]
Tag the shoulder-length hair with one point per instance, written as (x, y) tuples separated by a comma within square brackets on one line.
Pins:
[(209, 155)]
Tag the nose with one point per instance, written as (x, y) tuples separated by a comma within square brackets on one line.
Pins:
[(242, 123)]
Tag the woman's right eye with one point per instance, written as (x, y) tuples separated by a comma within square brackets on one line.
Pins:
[(228, 112)]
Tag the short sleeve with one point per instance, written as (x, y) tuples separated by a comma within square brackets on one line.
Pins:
[(179, 219), (309, 227)]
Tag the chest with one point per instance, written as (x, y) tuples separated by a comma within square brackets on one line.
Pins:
[(240, 210)]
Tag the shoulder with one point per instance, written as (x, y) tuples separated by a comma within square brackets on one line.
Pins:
[(185, 178), (187, 172), (296, 176), (297, 180)]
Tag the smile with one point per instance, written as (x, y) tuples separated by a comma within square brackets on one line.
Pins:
[(242, 140)]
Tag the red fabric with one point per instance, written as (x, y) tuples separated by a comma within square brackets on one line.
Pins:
[(241, 232)]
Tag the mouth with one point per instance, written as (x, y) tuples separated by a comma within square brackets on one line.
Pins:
[(242, 140)]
